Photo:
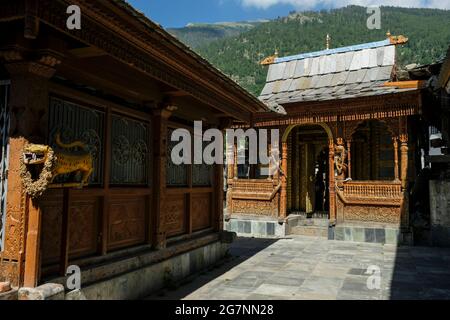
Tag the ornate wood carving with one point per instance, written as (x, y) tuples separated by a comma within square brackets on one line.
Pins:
[(174, 211), (201, 211), (348, 110), (126, 222), (283, 194), (370, 201), (256, 197), (364, 213), (51, 206), (83, 226), (340, 159), (332, 180)]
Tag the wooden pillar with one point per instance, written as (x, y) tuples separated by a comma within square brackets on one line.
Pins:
[(349, 158), (218, 190), (396, 171), (65, 237), (332, 181), (404, 160), (404, 178), (283, 196), (160, 118), (32, 253), (28, 113), (235, 163)]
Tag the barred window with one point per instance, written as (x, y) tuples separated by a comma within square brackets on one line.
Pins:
[(178, 175), (130, 152), (75, 122)]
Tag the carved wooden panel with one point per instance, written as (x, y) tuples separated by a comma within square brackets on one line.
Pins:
[(201, 211), (175, 212), (256, 207), (364, 213), (127, 223), (51, 206), (14, 241), (83, 226)]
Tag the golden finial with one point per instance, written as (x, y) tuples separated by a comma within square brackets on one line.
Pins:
[(400, 39), (270, 60), (328, 41)]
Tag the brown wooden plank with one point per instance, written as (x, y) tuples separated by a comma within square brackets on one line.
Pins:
[(64, 253)]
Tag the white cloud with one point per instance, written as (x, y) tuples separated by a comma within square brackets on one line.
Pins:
[(309, 4)]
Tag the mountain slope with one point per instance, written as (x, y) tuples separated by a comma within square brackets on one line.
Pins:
[(199, 34), (238, 56)]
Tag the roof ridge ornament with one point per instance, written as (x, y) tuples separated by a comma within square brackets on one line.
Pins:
[(396, 40), (328, 39), (270, 60)]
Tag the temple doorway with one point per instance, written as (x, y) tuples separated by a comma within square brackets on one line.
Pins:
[(308, 171)]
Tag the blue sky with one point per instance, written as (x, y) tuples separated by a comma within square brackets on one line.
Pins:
[(177, 13)]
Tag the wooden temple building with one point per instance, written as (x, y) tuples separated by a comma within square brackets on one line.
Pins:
[(116, 88), (350, 148)]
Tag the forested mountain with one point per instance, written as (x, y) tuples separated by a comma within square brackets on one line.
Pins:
[(239, 55), (200, 34)]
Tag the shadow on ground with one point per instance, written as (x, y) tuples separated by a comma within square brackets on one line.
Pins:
[(420, 273), (240, 251)]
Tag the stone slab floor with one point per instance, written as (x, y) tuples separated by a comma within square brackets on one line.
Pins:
[(304, 268)]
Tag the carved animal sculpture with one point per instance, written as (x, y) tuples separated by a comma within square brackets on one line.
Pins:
[(62, 162), (340, 159)]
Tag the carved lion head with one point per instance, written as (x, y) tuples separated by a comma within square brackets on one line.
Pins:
[(34, 154)]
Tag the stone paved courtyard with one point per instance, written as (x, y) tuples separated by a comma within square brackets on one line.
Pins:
[(303, 268)]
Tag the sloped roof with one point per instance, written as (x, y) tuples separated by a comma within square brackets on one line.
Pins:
[(355, 71), (444, 77)]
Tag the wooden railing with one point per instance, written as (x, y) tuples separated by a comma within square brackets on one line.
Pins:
[(370, 201), (254, 197), (372, 190), (264, 189)]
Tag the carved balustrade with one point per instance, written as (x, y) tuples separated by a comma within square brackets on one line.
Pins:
[(254, 197), (370, 201)]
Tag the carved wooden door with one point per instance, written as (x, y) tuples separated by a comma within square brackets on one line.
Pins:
[(4, 154)]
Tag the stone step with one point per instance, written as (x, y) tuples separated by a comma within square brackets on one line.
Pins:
[(313, 222), (310, 231)]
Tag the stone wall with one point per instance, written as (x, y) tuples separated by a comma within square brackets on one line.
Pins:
[(145, 281), (440, 213)]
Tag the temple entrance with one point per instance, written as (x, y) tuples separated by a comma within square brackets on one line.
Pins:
[(308, 172)]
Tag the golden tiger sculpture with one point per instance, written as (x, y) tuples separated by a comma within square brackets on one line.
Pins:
[(54, 165)]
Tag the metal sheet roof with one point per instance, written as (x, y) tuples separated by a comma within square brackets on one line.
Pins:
[(354, 71)]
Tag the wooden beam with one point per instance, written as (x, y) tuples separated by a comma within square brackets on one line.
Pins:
[(87, 52), (412, 84), (32, 249)]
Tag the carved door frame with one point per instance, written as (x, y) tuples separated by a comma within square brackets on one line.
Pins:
[(4, 155)]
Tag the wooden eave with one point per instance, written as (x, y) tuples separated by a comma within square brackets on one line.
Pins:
[(382, 106), (119, 27)]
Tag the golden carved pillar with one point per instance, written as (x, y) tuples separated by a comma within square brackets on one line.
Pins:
[(396, 171), (284, 165), (349, 158), (231, 159), (404, 160), (235, 162), (290, 201), (332, 181), (404, 179)]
